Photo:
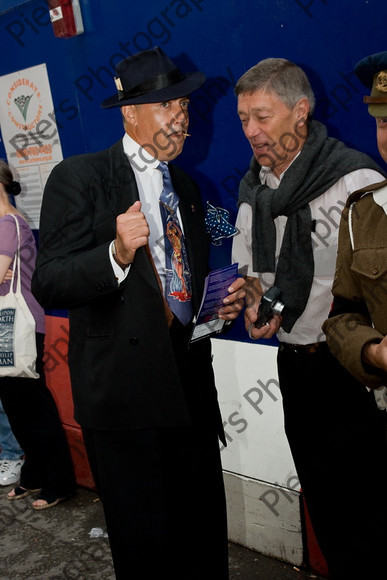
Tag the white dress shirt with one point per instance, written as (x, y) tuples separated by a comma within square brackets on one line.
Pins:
[(326, 211), (380, 197), (149, 181)]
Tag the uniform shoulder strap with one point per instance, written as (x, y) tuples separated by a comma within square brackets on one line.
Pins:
[(356, 195)]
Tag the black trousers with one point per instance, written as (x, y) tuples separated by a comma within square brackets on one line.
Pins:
[(36, 424), (336, 436), (163, 497)]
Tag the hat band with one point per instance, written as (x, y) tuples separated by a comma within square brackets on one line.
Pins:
[(375, 100), (162, 81)]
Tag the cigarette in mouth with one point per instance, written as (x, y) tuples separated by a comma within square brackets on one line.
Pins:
[(186, 135)]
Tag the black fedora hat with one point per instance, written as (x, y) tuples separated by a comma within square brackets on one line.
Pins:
[(150, 76)]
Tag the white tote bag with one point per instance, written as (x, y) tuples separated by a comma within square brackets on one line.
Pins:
[(17, 329)]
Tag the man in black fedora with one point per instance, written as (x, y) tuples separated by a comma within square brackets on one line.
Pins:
[(147, 403)]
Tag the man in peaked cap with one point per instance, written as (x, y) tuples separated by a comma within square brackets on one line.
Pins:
[(357, 325), (372, 71), (147, 403)]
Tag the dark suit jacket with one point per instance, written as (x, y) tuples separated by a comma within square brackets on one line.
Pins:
[(128, 371)]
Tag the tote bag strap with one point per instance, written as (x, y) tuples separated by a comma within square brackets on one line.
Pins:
[(17, 261)]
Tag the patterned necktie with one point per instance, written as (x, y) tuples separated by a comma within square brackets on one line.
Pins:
[(177, 275)]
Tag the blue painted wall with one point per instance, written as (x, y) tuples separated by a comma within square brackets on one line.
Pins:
[(220, 37), (8, 4)]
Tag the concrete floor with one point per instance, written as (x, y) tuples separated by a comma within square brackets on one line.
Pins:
[(68, 542)]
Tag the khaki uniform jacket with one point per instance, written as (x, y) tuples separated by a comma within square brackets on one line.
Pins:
[(359, 313)]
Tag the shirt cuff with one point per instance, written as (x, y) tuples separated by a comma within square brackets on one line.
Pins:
[(119, 273)]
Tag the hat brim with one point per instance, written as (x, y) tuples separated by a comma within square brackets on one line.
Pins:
[(378, 110), (191, 83)]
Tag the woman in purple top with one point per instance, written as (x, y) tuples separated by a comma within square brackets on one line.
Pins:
[(28, 403)]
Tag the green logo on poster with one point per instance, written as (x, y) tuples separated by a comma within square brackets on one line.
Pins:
[(22, 103)]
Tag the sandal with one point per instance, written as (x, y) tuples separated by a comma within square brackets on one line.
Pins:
[(50, 500), (20, 492)]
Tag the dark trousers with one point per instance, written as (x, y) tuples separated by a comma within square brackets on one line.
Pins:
[(163, 498), (336, 436), (36, 424)]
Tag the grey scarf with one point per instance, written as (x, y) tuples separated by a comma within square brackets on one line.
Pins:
[(321, 163)]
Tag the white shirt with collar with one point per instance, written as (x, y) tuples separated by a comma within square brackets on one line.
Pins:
[(380, 197), (326, 211), (149, 182)]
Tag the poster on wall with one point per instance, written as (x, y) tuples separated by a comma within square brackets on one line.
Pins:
[(30, 134)]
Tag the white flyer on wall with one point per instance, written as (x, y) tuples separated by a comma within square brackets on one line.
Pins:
[(30, 134)]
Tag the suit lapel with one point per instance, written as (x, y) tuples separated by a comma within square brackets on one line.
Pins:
[(122, 187)]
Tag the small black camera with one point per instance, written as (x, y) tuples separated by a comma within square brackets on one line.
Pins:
[(270, 305)]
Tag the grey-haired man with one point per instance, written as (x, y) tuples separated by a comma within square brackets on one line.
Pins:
[(290, 203)]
